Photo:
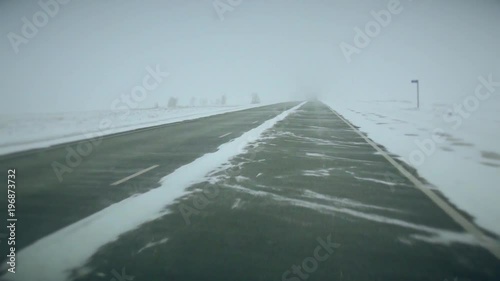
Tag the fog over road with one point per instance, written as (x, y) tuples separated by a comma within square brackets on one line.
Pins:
[(309, 199)]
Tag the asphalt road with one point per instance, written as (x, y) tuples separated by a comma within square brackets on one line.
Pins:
[(46, 202), (312, 201)]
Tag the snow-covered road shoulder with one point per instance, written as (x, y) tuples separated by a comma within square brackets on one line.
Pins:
[(460, 160)]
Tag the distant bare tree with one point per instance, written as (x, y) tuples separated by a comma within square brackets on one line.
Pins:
[(255, 98), (193, 101), (223, 100), (204, 102), (172, 102)]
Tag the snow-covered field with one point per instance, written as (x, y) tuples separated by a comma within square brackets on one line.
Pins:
[(455, 146), (23, 132)]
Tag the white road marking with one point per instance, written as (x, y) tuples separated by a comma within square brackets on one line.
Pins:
[(487, 242), (152, 244), (135, 175), (224, 135)]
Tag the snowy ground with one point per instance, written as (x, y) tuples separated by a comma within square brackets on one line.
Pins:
[(23, 132), (457, 151)]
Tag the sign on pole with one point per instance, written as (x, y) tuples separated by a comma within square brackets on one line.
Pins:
[(418, 94)]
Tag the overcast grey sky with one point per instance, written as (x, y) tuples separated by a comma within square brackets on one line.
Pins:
[(91, 52)]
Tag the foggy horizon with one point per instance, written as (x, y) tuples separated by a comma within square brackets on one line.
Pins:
[(90, 53)]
